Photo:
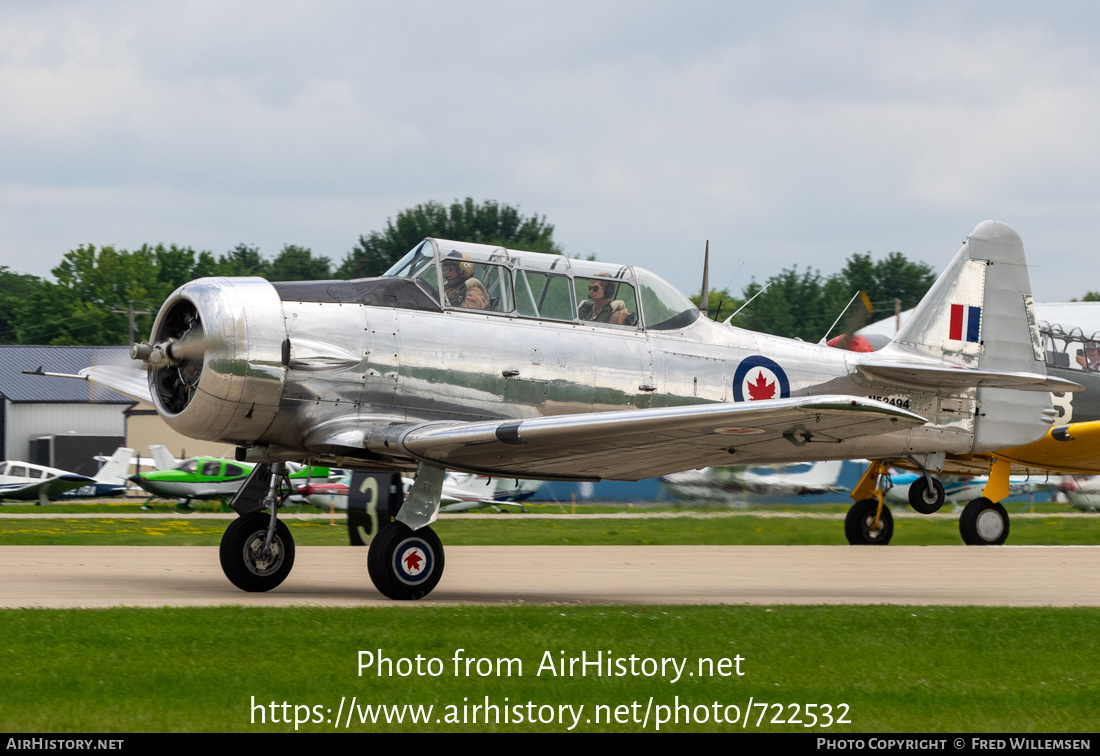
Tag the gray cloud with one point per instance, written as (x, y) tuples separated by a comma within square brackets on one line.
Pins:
[(788, 134)]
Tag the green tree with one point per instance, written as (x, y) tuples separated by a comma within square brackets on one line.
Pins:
[(804, 305), (205, 265), (17, 292), (893, 277), (487, 223), (88, 304), (298, 264), (243, 260), (720, 303), (91, 284), (175, 266)]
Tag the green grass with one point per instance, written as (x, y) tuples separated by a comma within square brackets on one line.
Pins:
[(543, 530), (899, 669), (120, 506)]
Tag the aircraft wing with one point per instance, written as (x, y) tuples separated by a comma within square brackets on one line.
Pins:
[(128, 380), (642, 443), (49, 487)]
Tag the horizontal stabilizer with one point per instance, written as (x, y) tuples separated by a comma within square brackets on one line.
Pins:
[(915, 375), (116, 468)]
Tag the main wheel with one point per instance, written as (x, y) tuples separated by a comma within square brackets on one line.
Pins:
[(859, 525), (983, 523), (243, 558), (403, 563), (924, 499)]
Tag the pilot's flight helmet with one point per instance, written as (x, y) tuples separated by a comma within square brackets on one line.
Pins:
[(609, 287), (465, 267)]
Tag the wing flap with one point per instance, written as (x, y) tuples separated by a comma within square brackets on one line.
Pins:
[(642, 443)]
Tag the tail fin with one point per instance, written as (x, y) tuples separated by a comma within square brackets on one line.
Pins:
[(980, 314), (823, 474), (162, 458), (117, 468)]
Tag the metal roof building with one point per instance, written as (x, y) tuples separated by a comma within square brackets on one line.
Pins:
[(35, 407)]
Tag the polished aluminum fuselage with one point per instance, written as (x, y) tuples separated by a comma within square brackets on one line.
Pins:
[(391, 372), (464, 366)]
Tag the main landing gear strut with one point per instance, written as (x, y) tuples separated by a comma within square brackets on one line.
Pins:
[(257, 550), (405, 559), (869, 521), (984, 522)]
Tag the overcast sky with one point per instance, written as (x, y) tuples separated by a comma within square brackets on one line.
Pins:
[(785, 133)]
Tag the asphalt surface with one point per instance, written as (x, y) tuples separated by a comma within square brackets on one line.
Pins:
[(107, 576)]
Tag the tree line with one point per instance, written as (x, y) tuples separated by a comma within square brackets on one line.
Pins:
[(88, 301), (804, 304), (94, 288)]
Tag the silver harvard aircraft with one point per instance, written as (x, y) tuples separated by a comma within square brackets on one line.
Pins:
[(523, 365)]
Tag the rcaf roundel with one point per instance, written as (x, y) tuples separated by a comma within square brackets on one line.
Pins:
[(759, 378), (413, 560)]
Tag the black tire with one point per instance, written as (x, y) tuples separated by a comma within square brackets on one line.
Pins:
[(983, 523), (240, 553), (403, 563), (858, 524), (923, 499)]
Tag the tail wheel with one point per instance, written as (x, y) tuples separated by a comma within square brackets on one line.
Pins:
[(860, 526), (983, 523), (403, 563), (924, 499), (245, 561)]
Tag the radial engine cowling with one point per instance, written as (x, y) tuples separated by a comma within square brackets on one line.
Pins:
[(215, 363)]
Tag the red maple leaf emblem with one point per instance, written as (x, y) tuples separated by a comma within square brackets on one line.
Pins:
[(760, 388), (413, 561)]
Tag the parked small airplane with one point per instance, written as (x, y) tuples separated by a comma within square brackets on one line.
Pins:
[(163, 459), (736, 484), (462, 492), (201, 478), (1082, 492), (26, 481), (524, 365)]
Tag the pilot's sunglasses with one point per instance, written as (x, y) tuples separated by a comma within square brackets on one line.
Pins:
[(594, 287)]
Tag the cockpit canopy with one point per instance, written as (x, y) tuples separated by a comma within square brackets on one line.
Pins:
[(1071, 348), (461, 275)]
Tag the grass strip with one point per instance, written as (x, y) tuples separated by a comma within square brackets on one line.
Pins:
[(898, 669), (1050, 530)]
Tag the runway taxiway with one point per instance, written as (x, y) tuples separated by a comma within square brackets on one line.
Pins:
[(107, 576)]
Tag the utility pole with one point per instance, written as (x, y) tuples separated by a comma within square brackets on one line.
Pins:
[(133, 319)]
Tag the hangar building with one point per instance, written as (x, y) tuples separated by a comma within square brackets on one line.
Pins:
[(64, 423)]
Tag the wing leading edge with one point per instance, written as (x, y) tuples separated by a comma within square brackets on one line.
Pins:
[(641, 443)]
